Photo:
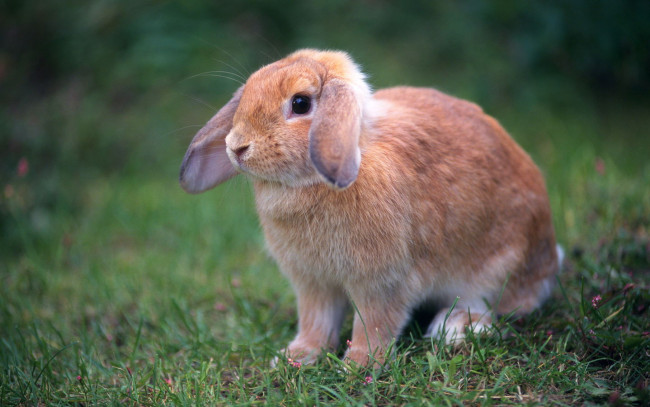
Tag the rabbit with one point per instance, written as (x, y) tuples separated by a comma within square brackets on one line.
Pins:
[(381, 200)]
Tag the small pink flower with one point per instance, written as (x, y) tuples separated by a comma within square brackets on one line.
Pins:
[(349, 342), (168, 381), (367, 380), (23, 167), (549, 332), (600, 166), (79, 378), (294, 363), (596, 300), (220, 306)]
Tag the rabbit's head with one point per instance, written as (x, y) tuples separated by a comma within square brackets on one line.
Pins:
[(295, 122)]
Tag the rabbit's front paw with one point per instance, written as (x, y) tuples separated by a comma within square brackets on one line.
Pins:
[(297, 354)]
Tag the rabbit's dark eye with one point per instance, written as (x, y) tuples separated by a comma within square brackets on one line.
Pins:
[(300, 104)]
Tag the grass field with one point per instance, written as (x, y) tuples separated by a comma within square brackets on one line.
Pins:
[(117, 288)]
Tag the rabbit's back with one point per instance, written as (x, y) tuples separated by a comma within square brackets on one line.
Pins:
[(479, 206)]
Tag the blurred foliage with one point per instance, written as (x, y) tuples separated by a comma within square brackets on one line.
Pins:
[(90, 88), (128, 47)]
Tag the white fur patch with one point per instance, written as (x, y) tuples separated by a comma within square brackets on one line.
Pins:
[(452, 324), (560, 256)]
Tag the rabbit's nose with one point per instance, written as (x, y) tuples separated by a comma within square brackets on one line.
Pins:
[(239, 151)]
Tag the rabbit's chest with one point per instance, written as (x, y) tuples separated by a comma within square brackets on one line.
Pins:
[(330, 238)]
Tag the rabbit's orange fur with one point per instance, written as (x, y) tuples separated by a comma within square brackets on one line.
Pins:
[(445, 204)]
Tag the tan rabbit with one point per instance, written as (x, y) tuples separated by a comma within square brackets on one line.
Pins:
[(386, 200)]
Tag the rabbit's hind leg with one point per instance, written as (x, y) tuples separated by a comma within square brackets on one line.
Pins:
[(451, 323)]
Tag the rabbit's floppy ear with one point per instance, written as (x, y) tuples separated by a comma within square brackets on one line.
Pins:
[(334, 134), (206, 163)]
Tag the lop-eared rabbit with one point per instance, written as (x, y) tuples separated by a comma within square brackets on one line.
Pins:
[(386, 200)]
